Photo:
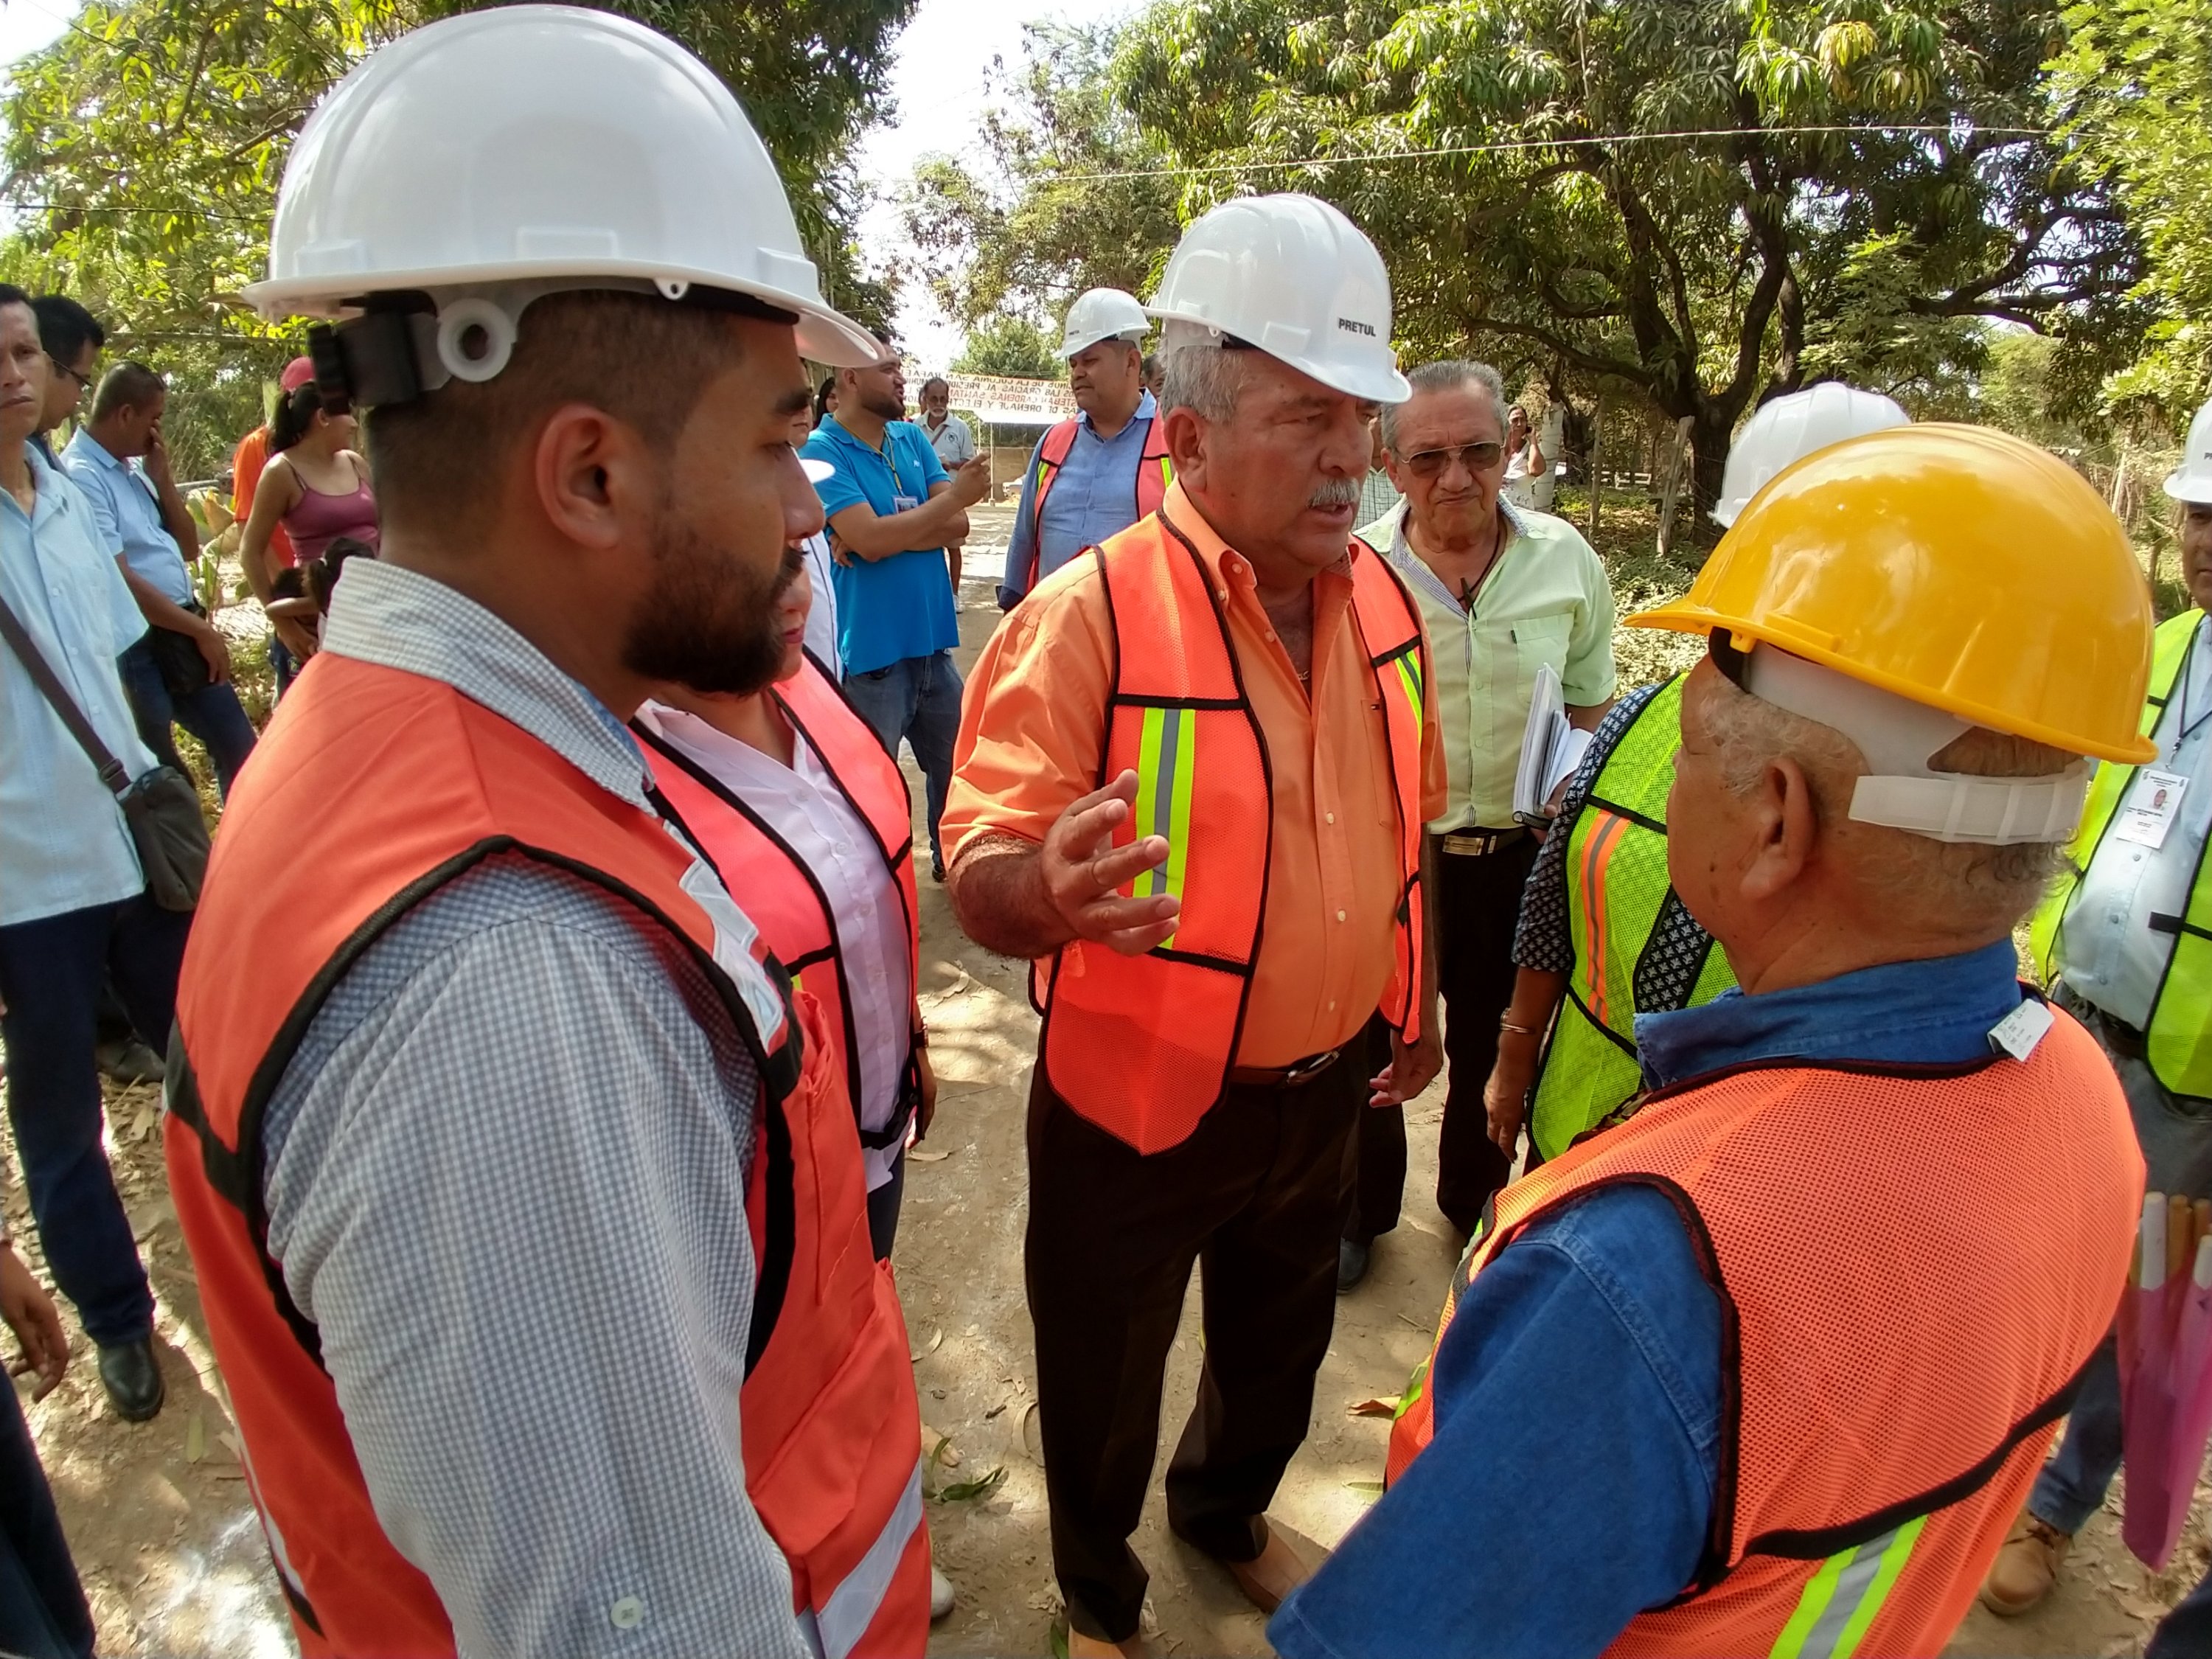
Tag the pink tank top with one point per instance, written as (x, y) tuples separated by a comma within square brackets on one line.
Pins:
[(320, 518)]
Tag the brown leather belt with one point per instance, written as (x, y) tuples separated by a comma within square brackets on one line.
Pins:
[(1478, 843), (1295, 1075)]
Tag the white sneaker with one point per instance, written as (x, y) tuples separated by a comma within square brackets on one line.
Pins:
[(940, 1595)]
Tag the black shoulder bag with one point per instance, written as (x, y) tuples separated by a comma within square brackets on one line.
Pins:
[(162, 806)]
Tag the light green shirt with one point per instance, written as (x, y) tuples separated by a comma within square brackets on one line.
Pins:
[(1546, 600)]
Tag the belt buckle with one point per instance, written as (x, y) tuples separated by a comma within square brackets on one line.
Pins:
[(1310, 1068), (1469, 844)]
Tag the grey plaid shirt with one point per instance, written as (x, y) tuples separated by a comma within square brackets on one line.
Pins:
[(506, 1174)]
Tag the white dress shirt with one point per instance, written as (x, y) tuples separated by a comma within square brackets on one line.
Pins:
[(822, 620), (803, 805)]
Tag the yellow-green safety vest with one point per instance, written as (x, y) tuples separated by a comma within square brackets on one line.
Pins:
[(1617, 889), (2179, 1044)]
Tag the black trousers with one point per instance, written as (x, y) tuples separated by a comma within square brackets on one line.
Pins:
[(1375, 1156), (1253, 1198), (1477, 904)]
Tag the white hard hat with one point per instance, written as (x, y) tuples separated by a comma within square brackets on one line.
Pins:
[(1786, 430), (2193, 480), (1103, 313), (1294, 277), (489, 159), (815, 471)]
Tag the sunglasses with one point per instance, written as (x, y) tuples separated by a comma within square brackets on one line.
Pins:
[(1475, 458)]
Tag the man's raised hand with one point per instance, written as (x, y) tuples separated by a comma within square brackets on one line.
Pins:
[(1083, 870)]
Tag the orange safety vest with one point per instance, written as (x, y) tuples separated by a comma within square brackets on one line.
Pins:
[(782, 896), (1142, 1046), (1914, 1265), (404, 783), (1155, 472)]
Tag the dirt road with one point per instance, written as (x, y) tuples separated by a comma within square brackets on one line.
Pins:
[(158, 1516)]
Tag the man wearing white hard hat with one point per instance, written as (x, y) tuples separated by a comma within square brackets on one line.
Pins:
[(1100, 471), (1214, 928), (2126, 941), (1603, 936), (524, 1196)]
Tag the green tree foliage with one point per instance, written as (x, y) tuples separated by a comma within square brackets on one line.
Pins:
[(144, 149), (1042, 224), (2135, 80), (1704, 273), (1010, 345)]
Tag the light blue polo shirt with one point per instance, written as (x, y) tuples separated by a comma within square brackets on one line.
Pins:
[(63, 842), (129, 516), (888, 609)]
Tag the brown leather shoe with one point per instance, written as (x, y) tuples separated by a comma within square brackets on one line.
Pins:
[(2027, 1566), (1080, 1646), (1271, 1576)]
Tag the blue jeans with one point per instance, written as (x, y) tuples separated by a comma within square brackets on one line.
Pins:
[(2176, 1137), (211, 714), (917, 699), (282, 664), (50, 979), (42, 1610)]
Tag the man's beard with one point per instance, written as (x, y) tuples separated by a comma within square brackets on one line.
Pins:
[(709, 623), (882, 404)]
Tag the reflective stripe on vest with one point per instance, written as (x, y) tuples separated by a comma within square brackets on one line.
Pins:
[(831, 1432), (2177, 1043), (1618, 890), (1155, 472), (1167, 757), (1893, 1373), (1141, 1045), (787, 899), (1839, 1607), (836, 1628)]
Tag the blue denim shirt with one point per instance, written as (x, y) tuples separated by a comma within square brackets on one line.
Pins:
[(1584, 1365), (1094, 496)]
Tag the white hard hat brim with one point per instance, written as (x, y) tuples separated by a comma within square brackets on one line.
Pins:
[(815, 471), (1068, 349), (824, 335), (1369, 382), (2191, 483)]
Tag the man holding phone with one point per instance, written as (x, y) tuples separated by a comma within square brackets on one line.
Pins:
[(894, 510), (180, 673)]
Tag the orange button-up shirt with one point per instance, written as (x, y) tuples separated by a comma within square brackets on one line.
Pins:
[(1033, 736)]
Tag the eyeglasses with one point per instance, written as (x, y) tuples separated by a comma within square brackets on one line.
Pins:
[(82, 380), (1475, 458)]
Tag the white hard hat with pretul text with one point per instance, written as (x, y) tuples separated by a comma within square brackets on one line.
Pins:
[(532, 149), (1787, 429), (2191, 481), (1103, 313), (1292, 277)]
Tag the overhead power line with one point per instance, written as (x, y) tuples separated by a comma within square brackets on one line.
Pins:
[(1505, 146)]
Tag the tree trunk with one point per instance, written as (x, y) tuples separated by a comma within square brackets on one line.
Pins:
[(1709, 449)]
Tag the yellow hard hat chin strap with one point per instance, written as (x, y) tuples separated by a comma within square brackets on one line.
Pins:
[(1898, 737)]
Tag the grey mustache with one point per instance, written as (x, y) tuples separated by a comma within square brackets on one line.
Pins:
[(1335, 492)]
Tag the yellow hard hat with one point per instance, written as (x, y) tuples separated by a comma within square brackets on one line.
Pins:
[(1955, 566)]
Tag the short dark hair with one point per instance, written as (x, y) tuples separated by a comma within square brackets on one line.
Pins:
[(823, 394), (127, 386), (12, 295), (66, 328), (432, 455)]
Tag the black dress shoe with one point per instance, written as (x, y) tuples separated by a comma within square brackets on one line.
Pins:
[(1351, 1265), (126, 1060), (936, 868), (132, 1377)]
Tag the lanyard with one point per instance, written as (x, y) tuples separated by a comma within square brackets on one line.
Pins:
[(2187, 726)]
